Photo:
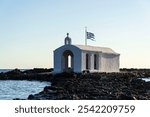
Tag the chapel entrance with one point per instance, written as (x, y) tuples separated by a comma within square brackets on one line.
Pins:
[(67, 61)]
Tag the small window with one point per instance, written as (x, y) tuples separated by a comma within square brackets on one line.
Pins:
[(87, 61), (95, 61)]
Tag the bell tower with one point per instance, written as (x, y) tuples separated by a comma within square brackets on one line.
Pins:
[(67, 40)]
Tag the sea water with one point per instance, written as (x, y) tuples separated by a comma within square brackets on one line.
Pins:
[(7, 70), (11, 89), (146, 79), (4, 70)]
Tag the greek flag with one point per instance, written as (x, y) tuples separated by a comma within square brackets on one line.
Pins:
[(90, 35)]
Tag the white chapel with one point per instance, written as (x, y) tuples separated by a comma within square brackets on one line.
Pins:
[(80, 58)]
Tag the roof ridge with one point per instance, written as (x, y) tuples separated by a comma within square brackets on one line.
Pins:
[(96, 48), (92, 46)]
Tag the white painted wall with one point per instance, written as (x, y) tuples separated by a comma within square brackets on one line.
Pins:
[(58, 56), (107, 62)]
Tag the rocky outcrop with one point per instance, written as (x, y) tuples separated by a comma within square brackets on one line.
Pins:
[(33, 74), (96, 86)]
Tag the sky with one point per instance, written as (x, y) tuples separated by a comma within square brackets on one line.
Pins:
[(30, 30)]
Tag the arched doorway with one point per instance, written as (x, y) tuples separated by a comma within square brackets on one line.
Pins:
[(67, 61)]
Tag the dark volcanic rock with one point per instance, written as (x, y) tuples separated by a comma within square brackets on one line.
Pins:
[(30, 97), (35, 74), (37, 70), (95, 86)]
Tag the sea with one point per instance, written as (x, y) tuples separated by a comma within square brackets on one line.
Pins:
[(7, 70), (12, 89)]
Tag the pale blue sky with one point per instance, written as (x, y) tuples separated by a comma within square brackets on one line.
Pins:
[(31, 29)]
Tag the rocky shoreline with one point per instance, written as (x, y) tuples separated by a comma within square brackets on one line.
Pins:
[(96, 86), (125, 85), (38, 74)]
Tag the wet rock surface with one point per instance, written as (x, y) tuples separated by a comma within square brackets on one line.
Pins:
[(95, 86)]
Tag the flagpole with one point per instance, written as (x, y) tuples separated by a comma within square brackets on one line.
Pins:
[(85, 35)]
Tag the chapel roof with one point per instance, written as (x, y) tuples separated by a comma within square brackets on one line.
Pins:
[(95, 48)]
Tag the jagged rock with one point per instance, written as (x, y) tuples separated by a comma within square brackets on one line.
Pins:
[(31, 97), (96, 86)]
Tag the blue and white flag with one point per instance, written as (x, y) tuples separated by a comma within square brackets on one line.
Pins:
[(90, 35)]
